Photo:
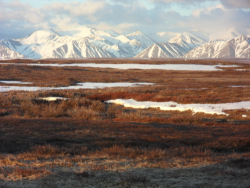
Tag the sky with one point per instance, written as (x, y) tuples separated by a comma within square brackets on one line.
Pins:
[(19, 18)]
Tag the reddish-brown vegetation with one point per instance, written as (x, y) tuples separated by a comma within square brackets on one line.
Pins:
[(38, 138), (48, 138)]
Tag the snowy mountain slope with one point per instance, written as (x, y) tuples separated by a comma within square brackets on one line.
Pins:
[(238, 47), (177, 47), (119, 45), (233, 32), (7, 53), (193, 38), (78, 49), (164, 50), (126, 45), (154, 51), (78, 43), (200, 35), (85, 42), (142, 38), (39, 37), (60, 49), (86, 32), (162, 36)]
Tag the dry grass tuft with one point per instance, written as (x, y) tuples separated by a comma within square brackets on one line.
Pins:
[(19, 173)]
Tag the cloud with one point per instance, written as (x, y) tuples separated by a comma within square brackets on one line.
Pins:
[(216, 20), (209, 11), (76, 8), (177, 1), (16, 11), (100, 12), (183, 1), (63, 23), (18, 19), (120, 16), (120, 28), (227, 3), (236, 3)]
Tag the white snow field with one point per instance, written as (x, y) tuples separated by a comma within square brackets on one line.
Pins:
[(14, 82), (195, 108), (177, 67), (86, 85)]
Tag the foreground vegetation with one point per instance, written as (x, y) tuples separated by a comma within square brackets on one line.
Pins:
[(84, 142), (90, 151)]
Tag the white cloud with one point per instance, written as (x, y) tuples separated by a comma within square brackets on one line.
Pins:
[(120, 28), (61, 23), (208, 10), (216, 20), (121, 17), (76, 8)]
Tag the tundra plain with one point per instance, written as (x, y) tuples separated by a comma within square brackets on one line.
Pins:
[(77, 139)]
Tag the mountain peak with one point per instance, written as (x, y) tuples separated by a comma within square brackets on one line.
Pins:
[(44, 32), (190, 37), (84, 31), (142, 38), (40, 36), (135, 33), (238, 47), (233, 32)]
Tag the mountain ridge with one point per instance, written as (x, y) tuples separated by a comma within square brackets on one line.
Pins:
[(176, 47), (85, 42), (238, 47), (72, 43)]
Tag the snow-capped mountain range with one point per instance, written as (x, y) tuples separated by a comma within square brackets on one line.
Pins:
[(176, 47), (196, 44), (78, 43), (84, 42), (238, 47)]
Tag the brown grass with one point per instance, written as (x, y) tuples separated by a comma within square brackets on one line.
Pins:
[(88, 138), (120, 139), (36, 148), (89, 104), (18, 173)]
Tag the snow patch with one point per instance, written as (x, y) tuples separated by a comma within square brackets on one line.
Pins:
[(178, 67), (86, 85), (51, 98), (14, 82), (173, 106)]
